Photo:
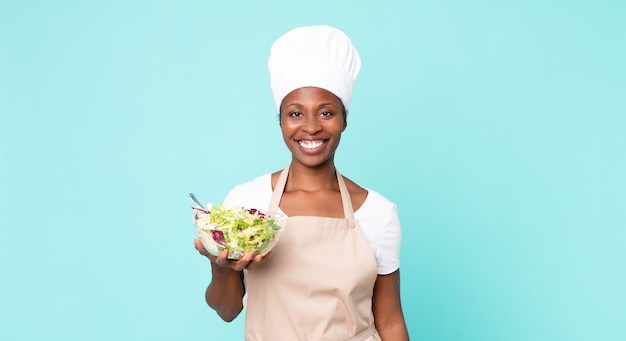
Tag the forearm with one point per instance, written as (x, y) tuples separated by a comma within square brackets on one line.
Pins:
[(225, 292), (387, 308), (393, 332)]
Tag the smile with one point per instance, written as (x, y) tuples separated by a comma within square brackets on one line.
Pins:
[(311, 146)]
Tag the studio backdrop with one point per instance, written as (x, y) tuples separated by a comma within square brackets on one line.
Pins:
[(498, 129)]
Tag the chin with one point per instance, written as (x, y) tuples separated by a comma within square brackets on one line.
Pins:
[(312, 162)]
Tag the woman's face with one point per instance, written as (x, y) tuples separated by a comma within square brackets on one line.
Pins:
[(312, 120)]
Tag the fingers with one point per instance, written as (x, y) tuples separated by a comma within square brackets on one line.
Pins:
[(236, 264), (260, 258), (243, 263), (222, 259), (247, 262), (257, 259), (198, 244)]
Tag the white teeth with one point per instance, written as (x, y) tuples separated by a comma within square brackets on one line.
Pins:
[(310, 144)]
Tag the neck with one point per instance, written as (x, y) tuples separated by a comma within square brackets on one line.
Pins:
[(311, 179)]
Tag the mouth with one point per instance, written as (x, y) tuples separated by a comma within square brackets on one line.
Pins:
[(311, 146)]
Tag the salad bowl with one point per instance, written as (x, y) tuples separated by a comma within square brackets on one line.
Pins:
[(239, 230)]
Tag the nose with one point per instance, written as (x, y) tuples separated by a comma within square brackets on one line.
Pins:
[(312, 125)]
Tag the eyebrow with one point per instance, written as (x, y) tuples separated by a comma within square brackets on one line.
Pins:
[(327, 103), (319, 106)]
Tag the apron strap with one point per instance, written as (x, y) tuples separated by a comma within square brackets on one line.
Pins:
[(278, 191), (348, 212)]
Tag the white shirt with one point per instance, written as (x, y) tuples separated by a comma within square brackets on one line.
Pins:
[(378, 219)]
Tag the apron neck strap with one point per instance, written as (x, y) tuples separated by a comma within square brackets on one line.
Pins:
[(278, 191), (348, 212)]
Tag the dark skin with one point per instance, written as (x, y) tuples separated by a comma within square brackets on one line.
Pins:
[(311, 120)]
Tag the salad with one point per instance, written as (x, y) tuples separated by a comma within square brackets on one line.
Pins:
[(239, 230)]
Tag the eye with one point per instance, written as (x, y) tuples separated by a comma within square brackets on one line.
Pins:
[(326, 114), (295, 114)]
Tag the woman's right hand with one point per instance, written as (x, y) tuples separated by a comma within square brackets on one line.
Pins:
[(247, 262)]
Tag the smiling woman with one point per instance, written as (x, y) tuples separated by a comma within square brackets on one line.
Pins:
[(334, 273)]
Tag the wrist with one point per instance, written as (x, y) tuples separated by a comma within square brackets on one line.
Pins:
[(217, 269)]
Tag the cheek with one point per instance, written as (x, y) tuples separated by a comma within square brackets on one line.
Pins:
[(288, 126), (286, 131), (339, 126), (283, 122)]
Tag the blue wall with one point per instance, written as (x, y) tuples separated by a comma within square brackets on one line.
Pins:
[(497, 127)]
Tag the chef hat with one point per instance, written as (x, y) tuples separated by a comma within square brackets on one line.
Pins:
[(318, 56)]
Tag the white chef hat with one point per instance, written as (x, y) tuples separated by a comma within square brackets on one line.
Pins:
[(318, 56)]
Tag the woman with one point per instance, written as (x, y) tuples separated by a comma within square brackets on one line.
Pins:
[(334, 274)]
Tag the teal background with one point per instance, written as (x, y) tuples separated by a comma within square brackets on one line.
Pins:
[(498, 128)]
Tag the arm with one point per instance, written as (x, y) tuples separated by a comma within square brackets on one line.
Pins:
[(388, 316), (225, 292)]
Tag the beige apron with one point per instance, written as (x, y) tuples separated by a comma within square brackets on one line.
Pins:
[(318, 283)]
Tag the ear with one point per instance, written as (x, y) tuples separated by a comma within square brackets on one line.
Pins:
[(345, 125)]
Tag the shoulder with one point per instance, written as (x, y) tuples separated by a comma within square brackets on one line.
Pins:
[(358, 194), (380, 224), (376, 207), (370, 205), (353, 188), (255, 193), (255, 183)]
